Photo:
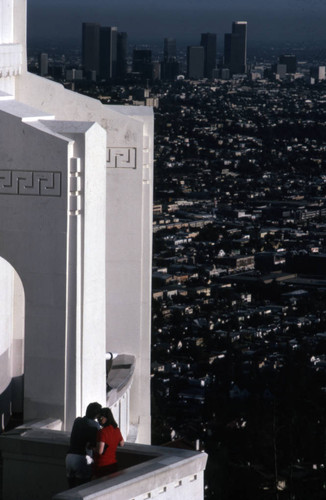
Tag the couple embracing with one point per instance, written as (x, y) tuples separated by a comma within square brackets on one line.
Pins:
[(93, 443)]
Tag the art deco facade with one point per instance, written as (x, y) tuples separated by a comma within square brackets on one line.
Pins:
[(75, 283), (76, 199)]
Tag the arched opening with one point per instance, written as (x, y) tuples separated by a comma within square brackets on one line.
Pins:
[(12, 333)]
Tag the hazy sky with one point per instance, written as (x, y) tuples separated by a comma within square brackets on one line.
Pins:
[(292, 20)]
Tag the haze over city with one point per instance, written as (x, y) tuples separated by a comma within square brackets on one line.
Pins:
[(289, 20)]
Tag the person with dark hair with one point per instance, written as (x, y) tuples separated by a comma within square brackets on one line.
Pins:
[(107, 441), (82, 443)]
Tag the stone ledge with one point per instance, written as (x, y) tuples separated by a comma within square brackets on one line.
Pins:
[(160, 468), (34, 467)]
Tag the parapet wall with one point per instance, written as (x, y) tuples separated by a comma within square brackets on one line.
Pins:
[(34, 468)]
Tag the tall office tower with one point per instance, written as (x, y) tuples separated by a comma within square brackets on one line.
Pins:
[(43, 62), (142, 63), (91, 47), (122, 52), (318, 73), (169, 65), (290, 62), (108, 52), (279, 70), (239, 30), (195, 62), (156, 70), (208, 41), (170, 49), (235, 48), (169, 70)]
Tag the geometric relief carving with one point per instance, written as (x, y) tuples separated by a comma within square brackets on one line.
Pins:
[(75, 187), (121, 158), (27, 182)]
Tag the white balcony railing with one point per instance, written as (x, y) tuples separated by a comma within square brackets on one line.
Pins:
[(34, 467), (120, 370)]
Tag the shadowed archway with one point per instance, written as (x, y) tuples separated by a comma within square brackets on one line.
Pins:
[(12, 333)]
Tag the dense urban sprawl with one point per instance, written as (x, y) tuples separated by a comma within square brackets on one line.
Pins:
[(239, 285), (239, 275)]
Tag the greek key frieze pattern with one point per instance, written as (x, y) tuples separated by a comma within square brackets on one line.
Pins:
[(121, 158), (26, 182)]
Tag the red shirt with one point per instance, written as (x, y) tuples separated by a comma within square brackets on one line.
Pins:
[(111, 437)]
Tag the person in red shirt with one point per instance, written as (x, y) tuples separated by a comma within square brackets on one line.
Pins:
[(107, 441)]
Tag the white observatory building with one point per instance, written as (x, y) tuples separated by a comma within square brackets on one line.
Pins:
[(76, 188), (75, 244)]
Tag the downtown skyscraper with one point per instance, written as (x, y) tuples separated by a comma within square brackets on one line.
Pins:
[(235, 48), (142, 63), (108, 52), (91, 47), (195, 62), (169, 65), (104, 51), (170, 49), (208, 41), (122, 50)]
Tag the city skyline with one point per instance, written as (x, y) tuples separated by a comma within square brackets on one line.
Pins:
[(293, 20)]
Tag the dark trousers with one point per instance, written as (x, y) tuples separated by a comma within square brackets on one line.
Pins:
[(106, 470)]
